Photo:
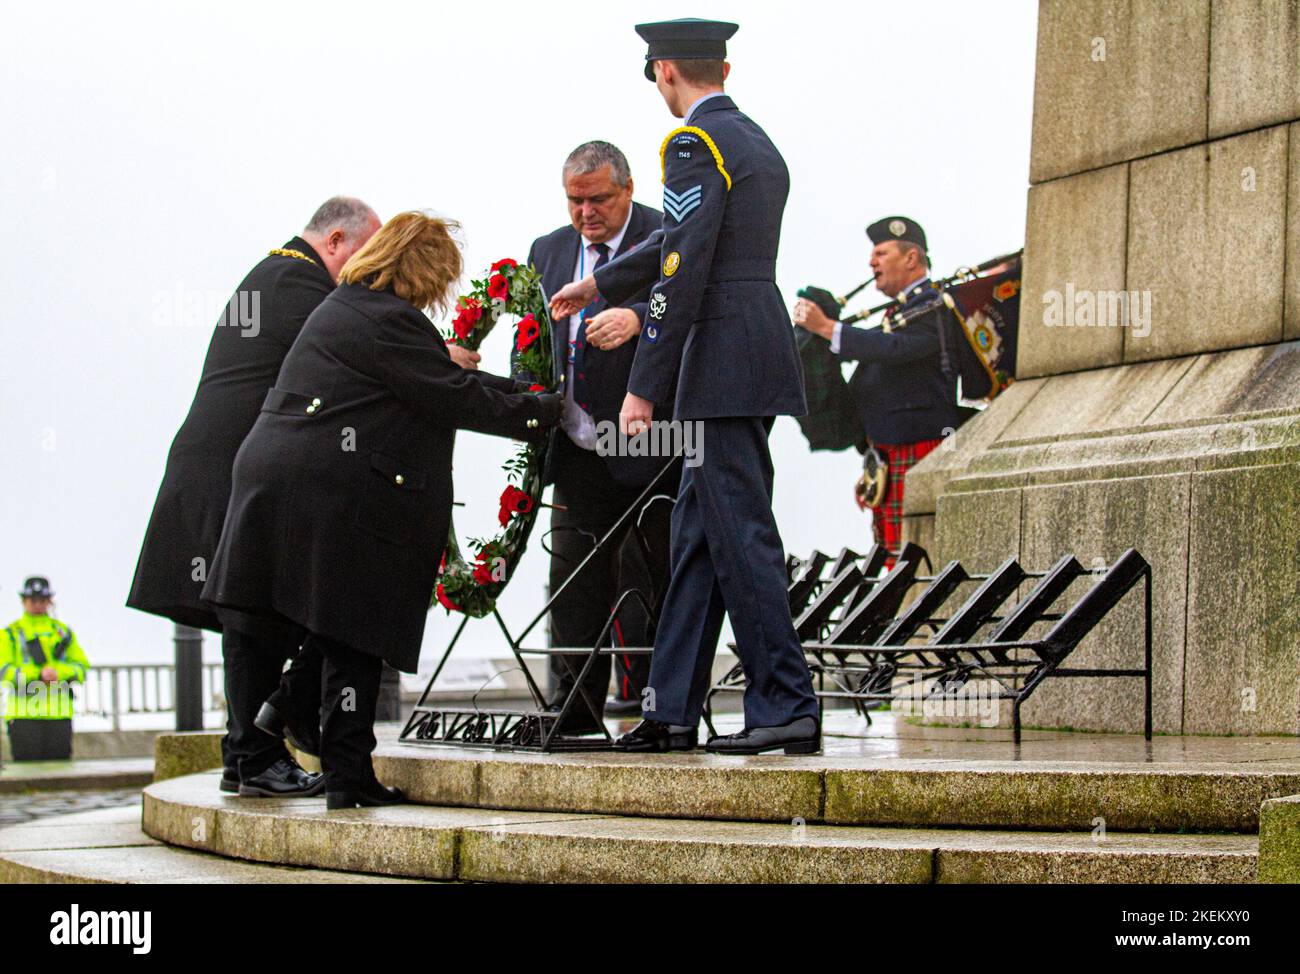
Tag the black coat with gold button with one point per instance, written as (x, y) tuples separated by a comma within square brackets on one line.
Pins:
[(342, 492), (241, 365)]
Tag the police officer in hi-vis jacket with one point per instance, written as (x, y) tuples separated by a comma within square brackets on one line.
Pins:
[(40, 660)]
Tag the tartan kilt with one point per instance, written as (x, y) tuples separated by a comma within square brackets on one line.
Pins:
[(887, 519)]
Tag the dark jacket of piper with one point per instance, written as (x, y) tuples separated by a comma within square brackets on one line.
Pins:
[(902, 391), (247, 349), (342, 492)]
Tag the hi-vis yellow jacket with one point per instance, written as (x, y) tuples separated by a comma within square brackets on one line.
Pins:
[(27, 646)]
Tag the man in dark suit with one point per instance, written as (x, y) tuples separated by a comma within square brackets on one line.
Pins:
[(244, 356), (594, 487), (716, 326), (905, 384)]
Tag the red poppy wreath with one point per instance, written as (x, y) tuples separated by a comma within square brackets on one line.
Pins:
[(472, 587)]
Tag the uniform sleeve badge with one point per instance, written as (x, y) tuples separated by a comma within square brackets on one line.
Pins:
[(677, 205), (671, 263)]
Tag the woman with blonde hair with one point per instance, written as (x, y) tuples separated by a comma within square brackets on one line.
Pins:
[(342, 492)]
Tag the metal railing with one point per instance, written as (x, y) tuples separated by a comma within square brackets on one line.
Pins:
[(115, 690)]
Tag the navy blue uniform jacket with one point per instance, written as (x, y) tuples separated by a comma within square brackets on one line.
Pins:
[(901, 391), (716, 323)]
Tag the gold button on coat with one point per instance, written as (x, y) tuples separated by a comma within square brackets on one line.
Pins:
[(399, 480)]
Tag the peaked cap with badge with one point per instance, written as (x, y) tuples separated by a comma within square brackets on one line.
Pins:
[(36, 587), (688, 39)]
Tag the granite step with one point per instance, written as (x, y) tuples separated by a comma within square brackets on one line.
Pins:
[(108, 846), (491, 845), (956, 792), (890, 773), (88, 774)]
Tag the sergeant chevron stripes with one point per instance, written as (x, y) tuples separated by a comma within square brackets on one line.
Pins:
[(677, 205)]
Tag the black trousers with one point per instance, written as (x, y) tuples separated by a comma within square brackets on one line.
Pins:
[(40, 739), (254, 650), (592, 502), (390, 695), (350, 696)]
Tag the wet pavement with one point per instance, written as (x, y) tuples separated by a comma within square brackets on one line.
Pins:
[(848, 740), (75, 773), (890, 735), (16, 807), (37, 789)]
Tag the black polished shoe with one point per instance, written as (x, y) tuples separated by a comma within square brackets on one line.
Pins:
[(368, 796), (301, 737), (578, 721), (618, 707), (653, 735), (801, 736), (284, 779), (230, 782)]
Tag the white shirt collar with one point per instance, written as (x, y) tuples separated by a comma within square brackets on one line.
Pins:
[(906, 293), (700, 101), (615, 241)]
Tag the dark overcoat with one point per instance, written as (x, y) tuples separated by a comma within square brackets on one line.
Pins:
[(342, 492), (247, 349)]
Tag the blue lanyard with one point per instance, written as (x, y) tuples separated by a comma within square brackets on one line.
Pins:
[(582, 273)]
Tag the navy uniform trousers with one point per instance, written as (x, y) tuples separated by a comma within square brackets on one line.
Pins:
[(727, 558)]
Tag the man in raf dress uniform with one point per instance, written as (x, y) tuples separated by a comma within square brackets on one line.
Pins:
[(244, 357), (716, 325)]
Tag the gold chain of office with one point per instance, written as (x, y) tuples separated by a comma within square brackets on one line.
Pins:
[(286, 252)]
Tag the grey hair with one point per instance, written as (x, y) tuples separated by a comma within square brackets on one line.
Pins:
[(906, 246), (346, 213), (593, 156)]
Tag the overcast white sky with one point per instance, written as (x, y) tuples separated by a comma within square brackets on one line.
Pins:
[(155, 150)]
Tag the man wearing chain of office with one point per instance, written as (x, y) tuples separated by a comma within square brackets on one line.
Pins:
[(905, 385)]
